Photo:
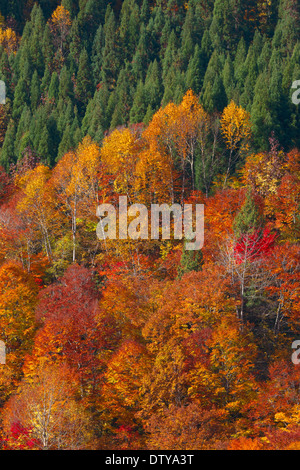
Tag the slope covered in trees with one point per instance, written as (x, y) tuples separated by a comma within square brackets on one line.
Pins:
[(141, 344)]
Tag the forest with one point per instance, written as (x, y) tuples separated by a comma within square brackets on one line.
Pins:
[(122, 344)]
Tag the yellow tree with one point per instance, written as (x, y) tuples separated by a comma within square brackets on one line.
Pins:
[(60, 25), (74, 181), (191, 127), (236, 131), (160, 136), (177, 130), (119, 154), (9, 40), (37, 205)]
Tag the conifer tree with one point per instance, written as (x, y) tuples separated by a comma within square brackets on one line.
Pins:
[(110, 62), (84, 81), (7, 156), (20, 98), (35, 91), (139, 106), (53, 90), (248, 218), (190, 261)]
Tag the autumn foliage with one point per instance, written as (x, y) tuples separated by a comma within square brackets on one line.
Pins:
[(140, 344)]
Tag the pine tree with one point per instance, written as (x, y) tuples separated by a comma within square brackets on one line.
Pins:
[(44, 146), (213, 96), (7, 156), (110, 63), (66, 88), (123, 100), (140, 60), (53, 90), (153, 85), (190, 261), (96, 57), (139, 106), (129, 28), (228, 78), (195, 71), (20, 98), (84, 80), (170, 54), (145, 12), (248, 218), (261, 118), (36, 38), (66, 142), (35, 92), (22, 131)]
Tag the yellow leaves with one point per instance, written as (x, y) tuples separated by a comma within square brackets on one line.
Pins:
[(263, 171), (75, 174), (9, 40), (236, 127), (84, 170), (119, 154), (33, 185), (61, 16), (18, 296)]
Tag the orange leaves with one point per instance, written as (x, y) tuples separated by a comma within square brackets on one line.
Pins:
[(46, 406), (61, 16), (188, 427), (18, 297), (285, 268), (124, 374)]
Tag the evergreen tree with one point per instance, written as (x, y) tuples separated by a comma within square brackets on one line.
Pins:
[(53, 90), (213, 95), (97, 48), (35, 92), (110, 62), (66, 88), (84, 81), (7, 156), (195, 71), (261, 118), (190, 261), (123, 100), (153, 86), (20, 98), (139, 106), (248, 218)]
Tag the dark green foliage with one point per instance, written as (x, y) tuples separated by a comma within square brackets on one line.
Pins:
[(123, 60), (190, 261), (248, 218)]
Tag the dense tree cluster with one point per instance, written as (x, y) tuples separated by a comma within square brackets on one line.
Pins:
[(141, 344), (88, 67)]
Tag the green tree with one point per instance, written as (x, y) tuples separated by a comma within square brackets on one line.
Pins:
[(7, 156)]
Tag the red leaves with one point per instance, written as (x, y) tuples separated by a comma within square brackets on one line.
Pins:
[(19, 438), (254, 245)]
